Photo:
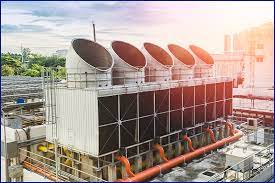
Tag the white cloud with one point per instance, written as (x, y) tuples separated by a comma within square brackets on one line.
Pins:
[(203, 23)]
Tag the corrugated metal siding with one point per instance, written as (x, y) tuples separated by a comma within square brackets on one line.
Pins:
[(77, 120)]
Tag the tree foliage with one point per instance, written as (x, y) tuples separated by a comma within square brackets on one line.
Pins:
[(12, 61), (33, 65), (7, 70), (51, 61), (31, 72)]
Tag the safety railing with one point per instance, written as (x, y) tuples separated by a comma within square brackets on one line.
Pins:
[(46, 167)]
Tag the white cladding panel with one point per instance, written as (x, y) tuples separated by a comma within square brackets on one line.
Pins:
[(76, 120)]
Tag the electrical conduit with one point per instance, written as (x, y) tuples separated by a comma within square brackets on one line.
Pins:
[(154, 171)]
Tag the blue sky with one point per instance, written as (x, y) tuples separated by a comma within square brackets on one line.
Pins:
[(47, 26)]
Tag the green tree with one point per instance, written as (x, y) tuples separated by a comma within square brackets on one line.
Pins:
[(34, 71), (31, 72), (7, 70), (36, 59), (60, 73), (36, 63), (12, 61), (37, 67)]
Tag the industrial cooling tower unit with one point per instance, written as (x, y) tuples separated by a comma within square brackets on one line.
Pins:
[(120, 102)]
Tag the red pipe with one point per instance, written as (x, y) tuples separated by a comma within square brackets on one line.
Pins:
[(127, 165), (212, 136), (159, 148), (190, 146), (151, 172), (230, 127)]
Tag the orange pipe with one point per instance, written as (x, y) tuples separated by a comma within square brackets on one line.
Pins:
[(230, 127), (190, 146), (211, 134), (159, 148), (151, 172), (39, 170), (127, 165)]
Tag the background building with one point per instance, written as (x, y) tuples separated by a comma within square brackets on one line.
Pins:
[(61, 53), (257, 45)]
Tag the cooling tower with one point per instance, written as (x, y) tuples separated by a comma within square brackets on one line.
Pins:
[(130, 63), (159, 63), (88, 64), (183, 62), (204, 62)]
